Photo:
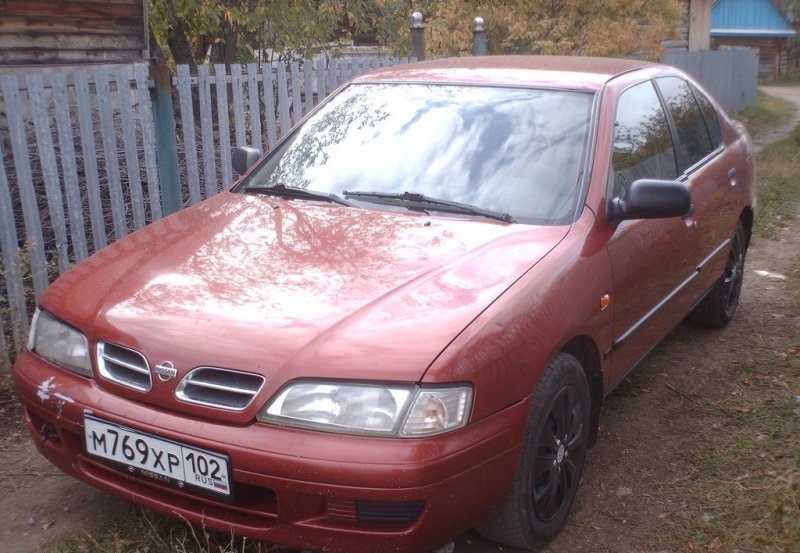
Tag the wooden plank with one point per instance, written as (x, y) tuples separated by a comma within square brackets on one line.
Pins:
[(308, 83), (333, 80), (89, 152), (189, 140), (255, 106), (283, 100), (40, 111), (69, 169), (130, 143), (145, 113), (297, 94), (321, 90), (83, 10), (44, 56), (269, 105), (12, 264), (223, 124), (71, 41), (237, 86), (57, 24), (207, 131), (34, 242), (109, 136)]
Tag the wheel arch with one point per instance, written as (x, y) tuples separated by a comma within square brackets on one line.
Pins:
[(585, 350)]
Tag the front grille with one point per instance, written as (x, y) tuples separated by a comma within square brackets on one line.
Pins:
[(389, 511), (124, 366), (221, 388)]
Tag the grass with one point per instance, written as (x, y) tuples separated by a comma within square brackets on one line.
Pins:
[(779, 184), (143, 531), (767, 112)]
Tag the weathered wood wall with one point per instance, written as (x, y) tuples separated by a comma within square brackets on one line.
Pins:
[(72, 31), (773, 52)]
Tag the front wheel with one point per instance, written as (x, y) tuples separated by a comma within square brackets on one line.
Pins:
[(551, 462), (718, 307)]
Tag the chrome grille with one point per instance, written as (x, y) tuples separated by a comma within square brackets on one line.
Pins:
[(221, 388), (124, 366)]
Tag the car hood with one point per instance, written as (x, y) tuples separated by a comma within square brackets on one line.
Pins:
[(294, 289)]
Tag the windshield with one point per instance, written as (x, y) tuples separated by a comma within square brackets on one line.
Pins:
[(511, 151)]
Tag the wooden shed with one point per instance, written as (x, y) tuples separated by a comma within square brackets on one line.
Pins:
[(753, 24), (68, 32)]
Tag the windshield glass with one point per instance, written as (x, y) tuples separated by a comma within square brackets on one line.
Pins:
[(514, 151)]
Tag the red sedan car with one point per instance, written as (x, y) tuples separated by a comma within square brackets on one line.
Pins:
[(401, 323)]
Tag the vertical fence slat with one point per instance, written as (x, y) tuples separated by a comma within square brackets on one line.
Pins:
[(269, 105), (145, 113), (283, 100), (237, 86), (333, 82), (66, 145), (255, 111), (89, 153), (189, 140), (207, 131), (308, 83), (5, 362), (297, 99), (130, 143), (109, 134), (321, 90), (223, 122), (12, 264), (40, 112), (22, 163)]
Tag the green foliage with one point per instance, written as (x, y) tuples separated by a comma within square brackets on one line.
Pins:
[(290, 28)]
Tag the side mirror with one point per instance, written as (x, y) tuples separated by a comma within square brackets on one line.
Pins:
[(652, 199), (244, 158)]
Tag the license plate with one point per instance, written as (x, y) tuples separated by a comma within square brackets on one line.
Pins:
[(167, 461)]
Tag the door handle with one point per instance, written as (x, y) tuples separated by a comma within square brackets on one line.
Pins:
[(732, 176)]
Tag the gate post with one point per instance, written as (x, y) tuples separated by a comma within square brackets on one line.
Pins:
[(417, 37), (479, 38), (166, 144)]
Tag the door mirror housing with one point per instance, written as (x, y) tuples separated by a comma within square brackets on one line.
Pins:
[(244, 158), (652, 199)]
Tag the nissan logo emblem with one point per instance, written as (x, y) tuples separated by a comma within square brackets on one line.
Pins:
[(166, 371)]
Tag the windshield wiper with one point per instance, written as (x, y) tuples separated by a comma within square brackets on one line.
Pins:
[(438, 204), (283, 191)]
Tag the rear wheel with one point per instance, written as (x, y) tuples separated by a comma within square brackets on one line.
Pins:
[(552, 459), (718, 307)]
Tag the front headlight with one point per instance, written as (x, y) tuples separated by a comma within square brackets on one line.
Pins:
[(370, 408), (59, 343)]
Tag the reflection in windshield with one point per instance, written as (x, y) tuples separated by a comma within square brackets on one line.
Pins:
[(509, 150)]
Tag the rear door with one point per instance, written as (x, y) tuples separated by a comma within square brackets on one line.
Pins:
[(705, 166), (652, 259)]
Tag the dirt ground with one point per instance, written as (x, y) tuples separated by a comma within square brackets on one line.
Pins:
[(637, 458)]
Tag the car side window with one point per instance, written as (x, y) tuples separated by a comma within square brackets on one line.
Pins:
[(694, 140), (642, 142), (711, 117)]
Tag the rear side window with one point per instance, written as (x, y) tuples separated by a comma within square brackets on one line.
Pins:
[(642, 143), (710, 115), (694, 140)]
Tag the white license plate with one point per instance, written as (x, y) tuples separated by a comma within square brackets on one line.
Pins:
[(156, 458)]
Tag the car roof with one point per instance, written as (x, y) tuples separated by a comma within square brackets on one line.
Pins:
[(569, 72)]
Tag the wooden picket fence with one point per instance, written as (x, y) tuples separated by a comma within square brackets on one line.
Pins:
[(81, 164)]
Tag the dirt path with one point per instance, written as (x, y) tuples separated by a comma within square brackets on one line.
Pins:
[(644, 429)]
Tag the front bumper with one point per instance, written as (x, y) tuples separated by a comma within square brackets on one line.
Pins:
[(292, 487)]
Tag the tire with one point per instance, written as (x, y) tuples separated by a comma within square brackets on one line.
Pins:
[(551, 462), (718, 307)]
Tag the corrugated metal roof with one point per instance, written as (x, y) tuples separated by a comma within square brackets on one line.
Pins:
[(756, 18)]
